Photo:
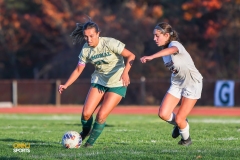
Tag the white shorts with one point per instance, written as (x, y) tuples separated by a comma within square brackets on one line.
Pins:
[(192, 91)]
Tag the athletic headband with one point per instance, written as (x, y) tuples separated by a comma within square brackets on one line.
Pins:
[(162, 30)]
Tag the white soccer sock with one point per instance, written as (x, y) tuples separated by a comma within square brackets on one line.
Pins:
[(172, 119), (184, 132)]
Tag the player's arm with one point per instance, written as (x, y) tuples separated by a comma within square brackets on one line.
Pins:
[(129, 61), (164, 52), (75, 74)]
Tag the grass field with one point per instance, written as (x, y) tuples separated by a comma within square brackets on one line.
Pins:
[(125, 137)]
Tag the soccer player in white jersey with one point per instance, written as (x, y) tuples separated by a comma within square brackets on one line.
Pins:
[(108, 82), (186, 81)]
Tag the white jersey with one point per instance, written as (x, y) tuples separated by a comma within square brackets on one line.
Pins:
[(182, 67)]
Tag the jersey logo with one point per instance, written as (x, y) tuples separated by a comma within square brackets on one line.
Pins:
[(101, 62), (101, 55)]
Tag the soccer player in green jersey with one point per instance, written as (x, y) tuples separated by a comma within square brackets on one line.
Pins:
[(186, 81), (109, 81)]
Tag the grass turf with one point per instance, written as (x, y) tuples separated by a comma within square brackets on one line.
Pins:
[(124, 137)]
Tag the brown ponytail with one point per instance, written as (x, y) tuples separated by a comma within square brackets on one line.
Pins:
[(78, 35)]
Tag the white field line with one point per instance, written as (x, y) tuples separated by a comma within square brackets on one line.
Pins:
[(198, 151), (207, 120), (52, 117), (126, 130), (168, 141), (19, 127), (220, 121), (74, 117), (227, 139)]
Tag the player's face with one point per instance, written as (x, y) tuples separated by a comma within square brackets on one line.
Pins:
[(91, 37), (160, 38)]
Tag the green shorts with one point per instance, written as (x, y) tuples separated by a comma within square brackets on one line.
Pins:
[(119, 90)]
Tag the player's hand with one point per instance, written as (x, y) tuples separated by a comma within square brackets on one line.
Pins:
[(145, 59), (125, 79), (61, 88)]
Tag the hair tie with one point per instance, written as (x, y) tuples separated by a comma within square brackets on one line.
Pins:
[(160, 28)]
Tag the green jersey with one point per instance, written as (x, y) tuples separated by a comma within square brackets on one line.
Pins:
[(107, 59)]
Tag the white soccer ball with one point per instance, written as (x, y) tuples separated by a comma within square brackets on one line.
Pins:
[(71, 139)]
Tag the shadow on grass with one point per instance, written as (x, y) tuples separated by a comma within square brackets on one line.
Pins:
[(10, 158)]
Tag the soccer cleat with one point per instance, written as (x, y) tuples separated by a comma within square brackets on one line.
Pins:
[(87, 145), (176, 132), (185, 142), (84, 135)]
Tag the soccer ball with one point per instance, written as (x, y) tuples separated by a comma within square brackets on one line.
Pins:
[(71, 139)]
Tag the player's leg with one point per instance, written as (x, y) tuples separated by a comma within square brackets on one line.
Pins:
[(166, 110), (92, 101), (110, 100), (168, 104), (190, 96), (184, 110)]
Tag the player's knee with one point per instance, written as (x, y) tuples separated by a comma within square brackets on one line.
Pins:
[(86, 116), (179, 120), (101, 118), (163, 115)]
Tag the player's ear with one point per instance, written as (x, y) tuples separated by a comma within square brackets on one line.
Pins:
[(98, 33), (167, 35)]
